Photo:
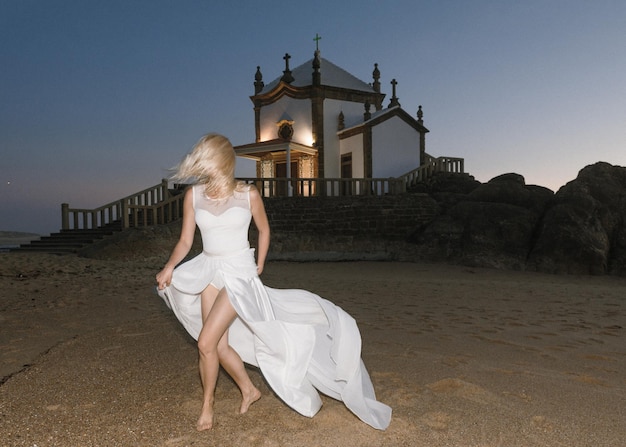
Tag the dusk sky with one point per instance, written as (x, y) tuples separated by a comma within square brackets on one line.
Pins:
[(99, 98)]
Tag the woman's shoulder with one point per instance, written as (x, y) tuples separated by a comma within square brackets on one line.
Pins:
[(190, 190), (248, 192), (244, 188)]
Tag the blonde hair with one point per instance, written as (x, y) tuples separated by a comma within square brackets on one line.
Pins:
[(211, 162)]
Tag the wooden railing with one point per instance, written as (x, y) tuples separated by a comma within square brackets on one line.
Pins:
[(155, 205), (312, 187), (431, 166), (158, 205)]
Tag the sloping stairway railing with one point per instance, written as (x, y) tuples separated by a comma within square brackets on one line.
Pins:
[(152, 206), (431, 166)]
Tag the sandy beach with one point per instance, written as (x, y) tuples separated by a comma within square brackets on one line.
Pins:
[(90, 356)]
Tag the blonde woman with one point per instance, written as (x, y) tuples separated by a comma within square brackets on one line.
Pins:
[(301, 342)]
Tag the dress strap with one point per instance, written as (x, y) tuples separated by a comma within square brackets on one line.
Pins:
[(195, 191)]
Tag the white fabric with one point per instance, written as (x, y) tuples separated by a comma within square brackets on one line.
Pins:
[(301, 342)]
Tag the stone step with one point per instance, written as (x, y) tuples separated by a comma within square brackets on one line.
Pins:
[(68, 241), (45, 249)]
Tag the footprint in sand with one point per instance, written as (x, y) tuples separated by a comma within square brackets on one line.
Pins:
[(395, 390), (180, 441), (54, 407), (542, 423), (437, 420), (465, 390)]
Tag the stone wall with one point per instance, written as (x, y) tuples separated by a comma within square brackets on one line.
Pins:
[(344, 228)]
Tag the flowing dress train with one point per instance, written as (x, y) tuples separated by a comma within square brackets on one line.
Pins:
[(301, 342)]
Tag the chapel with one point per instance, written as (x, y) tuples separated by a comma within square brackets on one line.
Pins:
[(319, 121)]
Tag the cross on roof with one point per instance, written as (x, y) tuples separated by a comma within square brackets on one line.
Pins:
[(317, 41)]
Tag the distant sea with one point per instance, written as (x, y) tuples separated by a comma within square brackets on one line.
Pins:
[(13, 239)]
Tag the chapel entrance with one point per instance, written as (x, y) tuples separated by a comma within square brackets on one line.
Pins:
[(281, 173), (346, 173)]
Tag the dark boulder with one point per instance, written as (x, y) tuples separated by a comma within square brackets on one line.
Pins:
[(583, 232), (512, 189), (480, 234), (449, 188), (505, 223), (492, 225)]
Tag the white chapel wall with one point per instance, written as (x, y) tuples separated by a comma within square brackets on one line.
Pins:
[(298, 110), (332, 148), (354, 145), (395, 148)]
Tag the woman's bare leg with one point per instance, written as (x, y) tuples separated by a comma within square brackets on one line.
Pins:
[(234, 366), (213, 348), (229, 359)]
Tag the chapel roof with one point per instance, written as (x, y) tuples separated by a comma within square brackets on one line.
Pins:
[(380, 116), (331, 75)]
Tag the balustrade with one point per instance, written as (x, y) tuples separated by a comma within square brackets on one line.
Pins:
[(154, 205), (158, 205), (332, 187)]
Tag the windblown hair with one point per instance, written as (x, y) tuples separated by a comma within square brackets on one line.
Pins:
[(211, 162)]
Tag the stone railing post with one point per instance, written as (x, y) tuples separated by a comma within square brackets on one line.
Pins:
[(125, 216), (65, 216), (165, 192)]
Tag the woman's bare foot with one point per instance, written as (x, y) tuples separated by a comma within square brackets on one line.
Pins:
[(248, 399), (205, 422)]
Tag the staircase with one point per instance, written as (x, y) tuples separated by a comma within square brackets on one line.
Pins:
[(69, 241), (81, 227), (160, 205)]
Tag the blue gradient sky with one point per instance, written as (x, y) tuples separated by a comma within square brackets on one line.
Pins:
[(99, 98)]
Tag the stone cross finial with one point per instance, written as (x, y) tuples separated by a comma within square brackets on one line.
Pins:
[(287, 77), (394, 99)]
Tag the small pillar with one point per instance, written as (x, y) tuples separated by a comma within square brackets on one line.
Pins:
[(258, 81), (420, 120), (376, 76), (65, 216), (317, 77), (367, 115)]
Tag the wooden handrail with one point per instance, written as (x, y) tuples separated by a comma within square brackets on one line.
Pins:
[(432, 165), (332, 187), (89, 219), (158, 205), (164, 212)]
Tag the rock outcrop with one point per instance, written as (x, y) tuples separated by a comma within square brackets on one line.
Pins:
[(492, 225), (505, 223), (584, 231)]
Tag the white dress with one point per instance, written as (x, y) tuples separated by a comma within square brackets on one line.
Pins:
[(301, 342)]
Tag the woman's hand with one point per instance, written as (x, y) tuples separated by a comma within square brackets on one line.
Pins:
[(259, 269), (164, 277)]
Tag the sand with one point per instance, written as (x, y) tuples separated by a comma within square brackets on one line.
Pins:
[(90, 356)]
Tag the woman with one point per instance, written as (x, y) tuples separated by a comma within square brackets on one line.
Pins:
[(299, 341)]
